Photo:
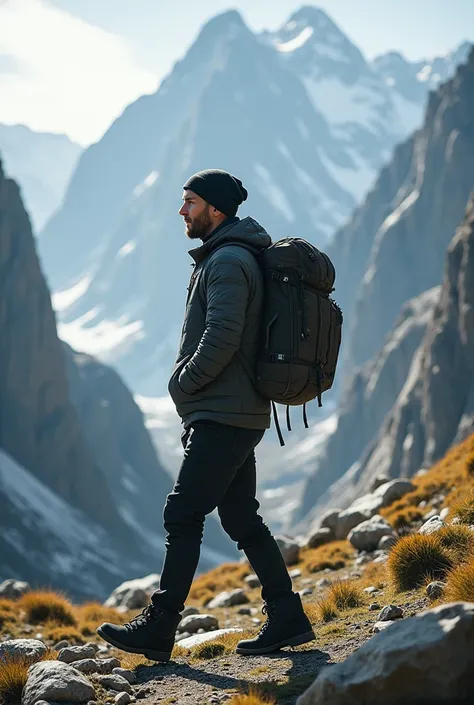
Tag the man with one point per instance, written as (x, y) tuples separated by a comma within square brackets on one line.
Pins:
[(224, 419)]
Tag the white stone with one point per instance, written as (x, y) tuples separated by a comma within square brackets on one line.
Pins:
[(432, 525), (12, 589), (123, 699), (294, 574), (361, 510), (22, 648), (130, 676), (428, 658), (115, 682), (252, 581), (56, 681), (329, 520), (366, 536), (134, 594), (228, 599), (390, 613), (96, 665), (394, 490), (76, 653), (381, 626), (387, 542), (444, 513), (195, 622), (318, 537), (198, 639)]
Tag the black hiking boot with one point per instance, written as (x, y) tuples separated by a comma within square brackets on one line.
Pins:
[(286, 625), (150, 633)]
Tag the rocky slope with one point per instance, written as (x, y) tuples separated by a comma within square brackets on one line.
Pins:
[(42, 163), (394, 245), (311, 123)]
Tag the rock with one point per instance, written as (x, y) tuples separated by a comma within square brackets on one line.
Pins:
[(381, 626), (427, 658), (289, 548), (182, 635), (306, 591), (97, 665), (12, 589), (252, 581), (374, 607), (392, 491), (76, 653), (194, 622), (123, 699), (435, 589), (329, 520), (56, 681), (244, 611), (361, 510), (63, 644), (367, 535), (94, 645), (229, 599), (323, 583), (382, 558), (370, 590), (390, 612), (387, 542), (188, 611), (130, 676), (198, 639), (431, 514), (319, 537), (378, 481), (134, 594), (432, 525), (115, 682), (294, 574), (23, 648), (443, 515)]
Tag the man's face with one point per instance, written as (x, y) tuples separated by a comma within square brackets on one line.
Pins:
[(197, 215)]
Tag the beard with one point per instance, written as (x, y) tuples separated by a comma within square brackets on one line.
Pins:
[(200, 226)]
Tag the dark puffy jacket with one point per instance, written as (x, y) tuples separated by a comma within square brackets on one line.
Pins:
[(223, 316)]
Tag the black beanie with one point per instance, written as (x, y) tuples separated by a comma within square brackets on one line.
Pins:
[(219, 188)]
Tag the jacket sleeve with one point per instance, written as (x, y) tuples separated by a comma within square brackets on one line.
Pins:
[(227, 295)]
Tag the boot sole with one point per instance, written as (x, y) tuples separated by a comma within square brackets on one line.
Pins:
[(294, 641), (163, 656)]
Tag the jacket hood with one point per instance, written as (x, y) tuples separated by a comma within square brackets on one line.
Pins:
[(246, 232)]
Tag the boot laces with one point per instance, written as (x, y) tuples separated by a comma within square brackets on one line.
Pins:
[(147, 615), (269, 610)]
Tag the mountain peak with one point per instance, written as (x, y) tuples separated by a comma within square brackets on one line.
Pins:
[(228, 20)]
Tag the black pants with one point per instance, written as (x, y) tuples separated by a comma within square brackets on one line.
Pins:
[(218, 470)]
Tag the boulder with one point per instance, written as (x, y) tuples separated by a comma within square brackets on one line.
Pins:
[(23, 648), (378, 481), (361, 510), (390, 612), (318, 537), (392, 491), (329, 520), (130, 676), (123, 699), (76, 653), (387, 542), (381, 626), (189, 610), (366, 536), (134, 594), (290, 549), (12, 589), (229, 599), (435, 589), (432, 525), (252, 581), (198, 639), (104, 666), (427, 658), (115, 682), (194, 622), (56, 681)]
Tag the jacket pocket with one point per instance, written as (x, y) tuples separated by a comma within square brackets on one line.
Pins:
[(175, 391)]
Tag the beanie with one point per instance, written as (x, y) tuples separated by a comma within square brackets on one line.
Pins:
[(219, 188)]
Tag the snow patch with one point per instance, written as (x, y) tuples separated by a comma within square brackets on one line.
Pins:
[(146, 183), (295, 43), (106, 340), (61, 300), (273, 192), (357, 180), (126, 249)]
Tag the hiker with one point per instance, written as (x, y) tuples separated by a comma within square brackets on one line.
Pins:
[(224, 419)]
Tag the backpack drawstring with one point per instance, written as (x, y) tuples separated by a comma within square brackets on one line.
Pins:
[(305, 418), (277, 424), (288, 425)]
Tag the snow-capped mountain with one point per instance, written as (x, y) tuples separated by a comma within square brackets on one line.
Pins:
[(299, 115), (42, 163)]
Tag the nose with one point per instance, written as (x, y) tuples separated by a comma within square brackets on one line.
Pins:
[(183, 210)]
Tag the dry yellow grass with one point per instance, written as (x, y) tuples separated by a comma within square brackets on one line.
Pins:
[(469, 465), (463, 509), (95, 613), (458, 539), (55, 633), (8, 613), (326, 610), (416, 558), (47, 606), (332, 555), (450, 476), (346, 594), (460, 587), (13, 676), (225, 577), (252, 698)]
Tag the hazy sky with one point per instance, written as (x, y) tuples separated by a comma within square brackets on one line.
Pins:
[(72, 65)]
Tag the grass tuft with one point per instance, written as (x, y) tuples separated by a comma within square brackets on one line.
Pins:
[(332, 556), (210, 650), (252, 698), (416, 558), (55, 633), (346, 594), (327, 610), (460, 587), (47, 606), (459, 539), (469, 465), (464, 510), (14, 674)]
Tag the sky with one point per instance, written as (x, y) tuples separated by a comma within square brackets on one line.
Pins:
[(72, 66)]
